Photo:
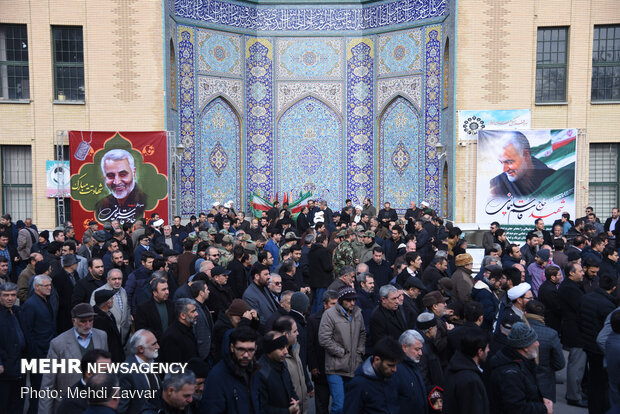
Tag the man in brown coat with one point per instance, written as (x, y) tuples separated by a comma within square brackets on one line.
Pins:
[(462, 278)]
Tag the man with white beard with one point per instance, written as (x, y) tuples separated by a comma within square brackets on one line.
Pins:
[(513, 377), (408, 380), (142, 348)]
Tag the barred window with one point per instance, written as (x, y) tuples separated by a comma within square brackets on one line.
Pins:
[(604, 186), (14, 77), (551, 50), (606, 64), (17, 181), (68, 50)]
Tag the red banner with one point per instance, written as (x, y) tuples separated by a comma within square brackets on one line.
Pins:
[(117, 176)]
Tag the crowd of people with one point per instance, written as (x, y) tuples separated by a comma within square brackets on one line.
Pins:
[(355, 311)]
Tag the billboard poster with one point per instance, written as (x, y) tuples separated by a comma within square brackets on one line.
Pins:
[(471, 122), (525, 175), (57, 178), (117, 176)]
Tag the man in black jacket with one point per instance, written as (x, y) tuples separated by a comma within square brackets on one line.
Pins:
[(412, 288), (157, 313), (434, 272), (320, 269), (387, 319), (548, 295), (595, 306), (570, 293), (464, 389), (12, 349), (220, 295), (178, 343), (276, 392), (104, 320), (237, 279), (513, 387), (176, 394), (84, 288)]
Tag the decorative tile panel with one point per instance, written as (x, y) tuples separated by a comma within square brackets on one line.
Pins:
[(399, 53), (231, 89), (219, 52), (309, 18), (309, 59), (259, 115), (432, 109), (310, 151), (360, 119), (401, 156), (289, 92), (187, 185), (219, 155), (409, 87)]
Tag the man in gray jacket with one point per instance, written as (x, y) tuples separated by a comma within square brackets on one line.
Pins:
[(71, 344), (343, 336)]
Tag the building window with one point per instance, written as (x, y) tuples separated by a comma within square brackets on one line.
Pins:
[(551, 51), (606, 63), (604, 186), (14, 82), (68, 50), (17, 181)]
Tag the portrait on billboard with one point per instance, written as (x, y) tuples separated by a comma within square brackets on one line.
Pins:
[(522, 174), (525, 175), (126, 200), (122, 177)]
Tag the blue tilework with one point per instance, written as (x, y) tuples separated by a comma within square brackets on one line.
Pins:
[(309, 18), (187, 185), (432, 114), (400, 53), (360, 132), (400, 154), (309, 59), (219, 155), (259, 115), (219, 53), (309, 151)]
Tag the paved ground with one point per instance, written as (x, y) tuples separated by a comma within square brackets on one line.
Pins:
[(560, 407)]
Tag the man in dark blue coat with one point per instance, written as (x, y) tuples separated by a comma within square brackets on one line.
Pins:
[(12, 347), (39, 326), (233, 383), (372, 389), (408, 380)]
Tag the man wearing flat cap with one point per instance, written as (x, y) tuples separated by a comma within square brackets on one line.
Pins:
[(435, 302), (71, 344), (105, 321), (513, 386), (343, 336)]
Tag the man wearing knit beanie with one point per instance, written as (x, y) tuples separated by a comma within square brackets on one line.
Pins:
[(513, 376), (343, 336)]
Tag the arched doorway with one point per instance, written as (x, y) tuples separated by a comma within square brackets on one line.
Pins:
[(218, 155)]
